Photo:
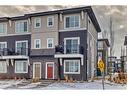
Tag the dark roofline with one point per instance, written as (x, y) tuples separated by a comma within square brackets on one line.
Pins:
[(88, 9), (4, 19), (106, 41)]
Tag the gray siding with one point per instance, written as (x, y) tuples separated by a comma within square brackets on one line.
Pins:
[(43, 61), (83, 42), (11, 72), (12, 39)]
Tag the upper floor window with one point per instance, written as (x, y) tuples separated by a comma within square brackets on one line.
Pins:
[(3, 28), (50, 21), (37, 43), (50, 43), (71, 45), (72, 21), (100, 45), (22, 47), (21, 26), (37, 22), (3, 45)]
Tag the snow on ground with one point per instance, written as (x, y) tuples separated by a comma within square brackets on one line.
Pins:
[(96, 85)]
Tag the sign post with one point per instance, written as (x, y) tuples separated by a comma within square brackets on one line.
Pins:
[(101, 67)]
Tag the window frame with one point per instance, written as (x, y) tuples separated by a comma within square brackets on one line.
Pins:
[(4, 43), (5, 32), (70, 38), (71, 72), (20, 63), (16, 22), (48, 43), (71, 27), (35, 21), (5, 67), (21, 42), (35, 43), (52, 21)]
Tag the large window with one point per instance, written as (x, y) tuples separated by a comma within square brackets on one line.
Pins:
[(3, 28), (50, 21), (37, 22), (21, 67), (3, 45), (50, 43), (21, 26), (72, 21), (3, 67), (37, 43), (72, 66), (71, 45), (22, 47)]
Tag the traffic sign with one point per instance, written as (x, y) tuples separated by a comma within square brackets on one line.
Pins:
[(101, 65)]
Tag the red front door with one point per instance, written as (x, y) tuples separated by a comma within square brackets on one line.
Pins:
[(50, 71)]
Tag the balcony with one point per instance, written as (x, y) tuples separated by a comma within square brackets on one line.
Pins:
[(18, 51), (69, 49)]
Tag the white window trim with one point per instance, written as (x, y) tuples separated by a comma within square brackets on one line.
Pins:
[(5, 27), (4, 43), (71, 27), (46, 69), (72, 72), (34, 68), (20, 42), (35, 43), (22, 21), (3, 62), (52, 43), (19, 63), (70, 38), (35, 22), (52, 21)]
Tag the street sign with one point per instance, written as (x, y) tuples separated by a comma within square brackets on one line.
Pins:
[(101, 65)]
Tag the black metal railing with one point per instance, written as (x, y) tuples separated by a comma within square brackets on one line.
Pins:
[(70, 49), (16, 51)]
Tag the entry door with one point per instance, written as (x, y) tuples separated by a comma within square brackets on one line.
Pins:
[(50, 70), (37, 70)]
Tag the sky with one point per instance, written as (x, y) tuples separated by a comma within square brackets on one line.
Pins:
[(103, 14)]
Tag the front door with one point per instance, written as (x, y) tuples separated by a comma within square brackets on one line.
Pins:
[(50, 70), (37, 70)]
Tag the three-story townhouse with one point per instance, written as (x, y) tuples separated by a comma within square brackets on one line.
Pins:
[(60, 43)]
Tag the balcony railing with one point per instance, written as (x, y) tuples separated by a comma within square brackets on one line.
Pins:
[(69, 49), (17, 51)]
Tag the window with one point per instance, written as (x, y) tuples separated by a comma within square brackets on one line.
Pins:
[(72, 21), (21, 67), (71, 45), (72, 66), (3, 28), (3, 67), (3, 45), (37, 43), (22, 47), (100, 45), (37, 22), (21, 26), (50, 21), (50, 43)]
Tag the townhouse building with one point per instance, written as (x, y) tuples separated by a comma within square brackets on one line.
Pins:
[(49, 45)]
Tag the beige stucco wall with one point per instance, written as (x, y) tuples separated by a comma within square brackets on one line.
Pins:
[(44, 32)]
